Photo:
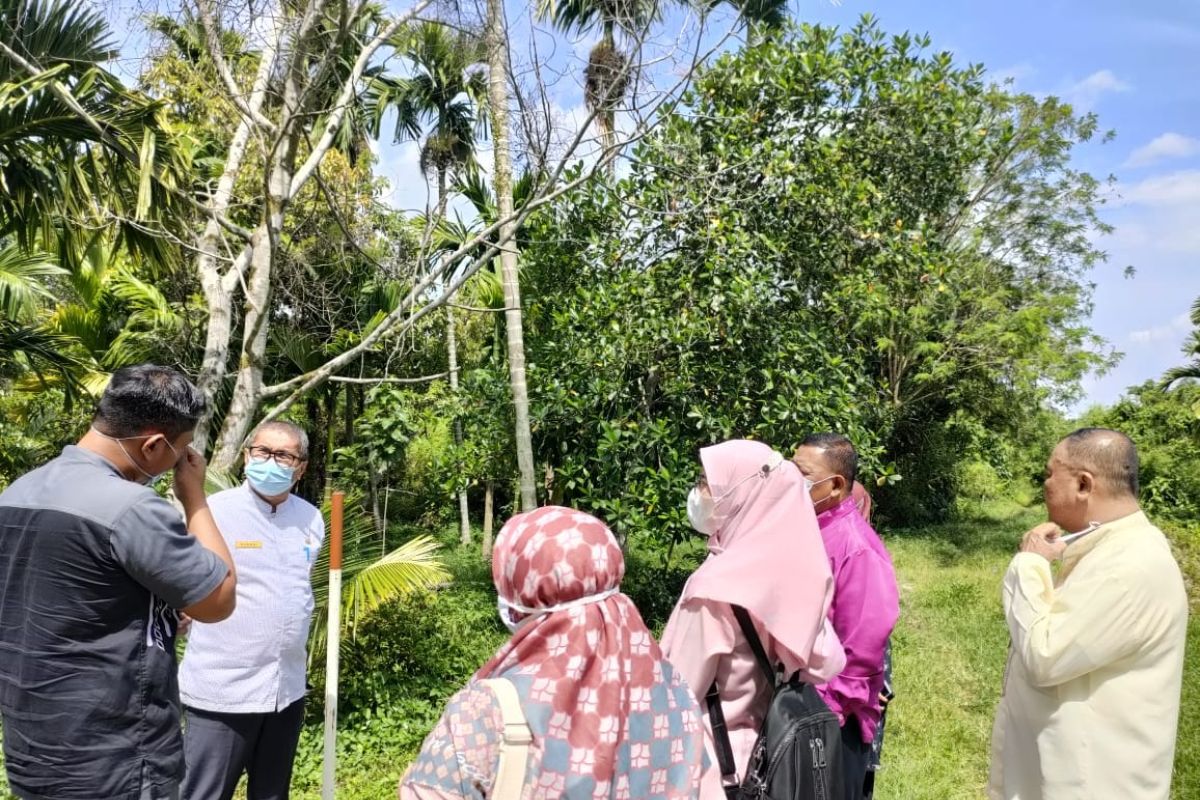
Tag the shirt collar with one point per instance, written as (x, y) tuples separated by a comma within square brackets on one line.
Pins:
[(843, 508), (263, 505), (74, 452), (1076, 550)]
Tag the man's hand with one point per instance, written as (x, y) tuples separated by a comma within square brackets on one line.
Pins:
[(1044, 541), (185, 624), (189, 480)]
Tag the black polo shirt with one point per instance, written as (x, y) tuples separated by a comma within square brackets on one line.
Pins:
[(92, 569)]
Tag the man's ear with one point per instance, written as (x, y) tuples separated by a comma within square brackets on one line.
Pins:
[(840, 485), (1085, 483)]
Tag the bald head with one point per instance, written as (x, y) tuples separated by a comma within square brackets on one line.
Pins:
[(1109, 455)]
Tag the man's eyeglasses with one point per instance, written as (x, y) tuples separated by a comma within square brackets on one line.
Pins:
[(282, 457)]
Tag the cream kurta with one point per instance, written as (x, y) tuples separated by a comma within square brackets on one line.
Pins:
[(1091, 692)]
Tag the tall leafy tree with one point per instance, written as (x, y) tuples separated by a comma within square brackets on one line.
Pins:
[(438, 105), (839, 230), (77, 148)]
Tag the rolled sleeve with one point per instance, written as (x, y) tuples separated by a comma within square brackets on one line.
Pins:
[(153, 545)]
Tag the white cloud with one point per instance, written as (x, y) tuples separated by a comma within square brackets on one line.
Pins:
[(1084, 94), (1170, 190), (1169, 145), (1171, 330)]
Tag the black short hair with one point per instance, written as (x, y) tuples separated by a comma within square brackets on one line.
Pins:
[(148, 398), (1109, 455), (840, 452)]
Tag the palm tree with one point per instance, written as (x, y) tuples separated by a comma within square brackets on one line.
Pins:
[(498, 98), (100, 158), (1191, 348), (27, 346), (370, 578), (439, 101), (609, 71)]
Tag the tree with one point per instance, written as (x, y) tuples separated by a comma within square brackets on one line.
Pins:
[(610, 71), (1191, 349), (498, 101), (842, 231), (446, 90)]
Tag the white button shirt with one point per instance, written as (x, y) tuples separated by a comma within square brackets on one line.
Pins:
[(254, 661)]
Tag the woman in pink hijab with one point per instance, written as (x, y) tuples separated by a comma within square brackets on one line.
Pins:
[(765, 555), (609, 717)]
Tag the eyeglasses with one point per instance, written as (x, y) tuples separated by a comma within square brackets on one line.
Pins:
[(281, 457)]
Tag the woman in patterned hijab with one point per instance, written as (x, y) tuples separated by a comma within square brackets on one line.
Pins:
[(609, 716)]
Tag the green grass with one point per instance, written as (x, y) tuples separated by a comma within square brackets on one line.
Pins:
[(949, 651)]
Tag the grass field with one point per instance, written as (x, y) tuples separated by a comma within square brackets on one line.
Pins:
[(949, 651)]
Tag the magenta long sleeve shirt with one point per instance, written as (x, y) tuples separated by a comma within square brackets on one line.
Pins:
[(866, 603)]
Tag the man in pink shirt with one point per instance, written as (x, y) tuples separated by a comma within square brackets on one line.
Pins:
[(865, 598)]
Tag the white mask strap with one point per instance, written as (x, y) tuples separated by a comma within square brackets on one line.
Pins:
[(582, 601)]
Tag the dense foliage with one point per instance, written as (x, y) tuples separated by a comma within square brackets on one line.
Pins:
[(835, 231), (1165, 424)]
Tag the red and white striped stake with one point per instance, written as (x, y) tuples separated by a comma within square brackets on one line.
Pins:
[(333, 639)]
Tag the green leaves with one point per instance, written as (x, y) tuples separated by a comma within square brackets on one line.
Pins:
[(23, 281), (839, 230)]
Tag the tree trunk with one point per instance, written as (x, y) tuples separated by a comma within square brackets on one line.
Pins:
[(464, 517), (312, 485), (348, 416), (497, 46), (218, 289), (489, 492), (373, 489), (247, 391)]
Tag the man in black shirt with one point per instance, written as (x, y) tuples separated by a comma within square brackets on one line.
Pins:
[(94, 567)]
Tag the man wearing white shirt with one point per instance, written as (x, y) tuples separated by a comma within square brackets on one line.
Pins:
[(243, 680)]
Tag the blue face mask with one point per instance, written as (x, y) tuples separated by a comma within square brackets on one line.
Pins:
[(270, 479)]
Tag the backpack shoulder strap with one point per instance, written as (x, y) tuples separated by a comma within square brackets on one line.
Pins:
[(514, 747), (760, 655), (720, 732)]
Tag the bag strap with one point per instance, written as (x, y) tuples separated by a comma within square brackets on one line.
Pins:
[(716, 715), (760, 655), (720, 732), (514, 747)]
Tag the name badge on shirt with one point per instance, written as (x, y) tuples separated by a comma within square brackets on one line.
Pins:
[(248, 544)]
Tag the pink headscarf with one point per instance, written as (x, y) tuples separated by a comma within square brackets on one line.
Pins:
[(766, 555), (597, 681)]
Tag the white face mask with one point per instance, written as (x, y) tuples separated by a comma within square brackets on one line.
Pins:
[(700, 507), (505, 609), (809, 483), (506, 616)]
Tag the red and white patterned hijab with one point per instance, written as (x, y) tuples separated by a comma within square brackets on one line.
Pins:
[(593, 678)]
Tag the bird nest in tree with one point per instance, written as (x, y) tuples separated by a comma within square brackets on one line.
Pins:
[(607, 78)]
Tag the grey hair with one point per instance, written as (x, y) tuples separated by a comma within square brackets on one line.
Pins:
[(290, 428), (1109, 455)]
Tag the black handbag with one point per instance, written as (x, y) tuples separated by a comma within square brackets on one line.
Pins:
[(798, 753)]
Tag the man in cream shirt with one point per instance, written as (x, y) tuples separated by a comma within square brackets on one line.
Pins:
[(243, 679), (1090, 703)]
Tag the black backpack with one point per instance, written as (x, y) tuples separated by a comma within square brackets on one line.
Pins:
[(798, 754)]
